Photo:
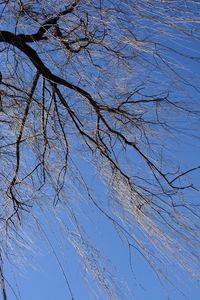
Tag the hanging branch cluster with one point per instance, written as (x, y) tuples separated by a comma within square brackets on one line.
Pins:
[(106, 78)]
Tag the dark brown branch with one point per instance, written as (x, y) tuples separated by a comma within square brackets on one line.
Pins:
[(10, 38), (184, 173), (29, 38), (12, 184)]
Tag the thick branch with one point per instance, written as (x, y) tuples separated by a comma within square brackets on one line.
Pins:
[(29, 38), (10, 38)]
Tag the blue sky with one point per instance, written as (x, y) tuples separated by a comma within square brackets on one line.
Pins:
[(42, 277)]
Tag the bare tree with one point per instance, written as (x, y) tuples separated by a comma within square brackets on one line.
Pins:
[(110, 83)]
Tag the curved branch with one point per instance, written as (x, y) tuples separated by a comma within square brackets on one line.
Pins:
[(29, 38), (16, 41)]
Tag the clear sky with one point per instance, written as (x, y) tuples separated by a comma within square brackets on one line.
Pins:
[(52, 259)]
